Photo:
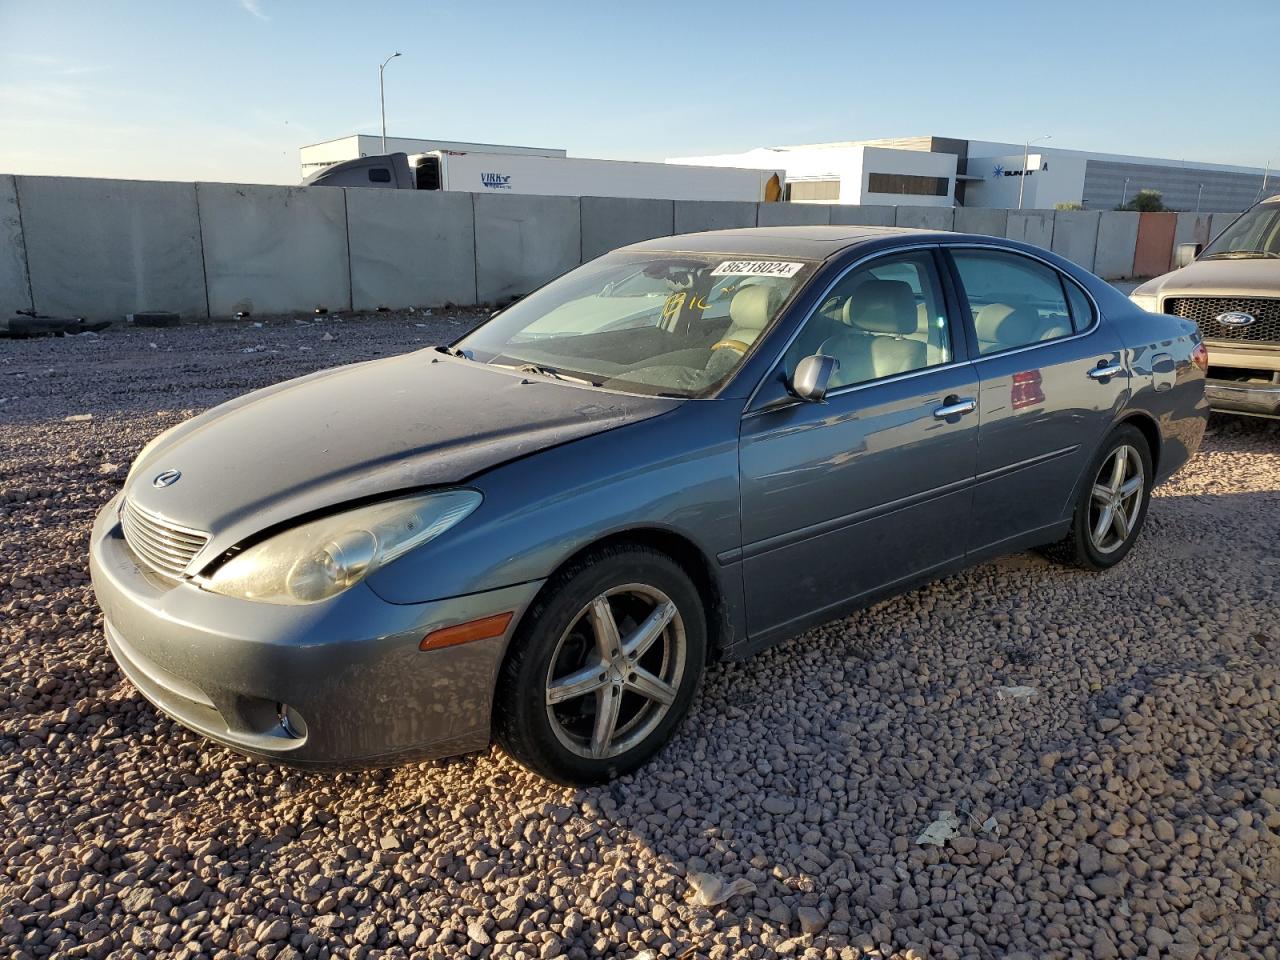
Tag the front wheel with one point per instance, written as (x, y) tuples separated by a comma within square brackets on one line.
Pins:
[(1112, 505), (603, 668)]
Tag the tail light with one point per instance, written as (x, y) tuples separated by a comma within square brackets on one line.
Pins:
[(1200, 357)]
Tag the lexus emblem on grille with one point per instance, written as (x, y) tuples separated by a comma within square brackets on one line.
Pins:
[(167, 479), (1236, 318)]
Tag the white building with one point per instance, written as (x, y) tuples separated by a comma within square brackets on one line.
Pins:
[(851, 173), (983, 173), (316, 156)]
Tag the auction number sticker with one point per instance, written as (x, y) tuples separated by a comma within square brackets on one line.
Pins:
[(757, 268)]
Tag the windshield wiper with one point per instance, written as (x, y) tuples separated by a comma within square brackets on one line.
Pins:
[(545, 371), (1243, 255), (456, 352)]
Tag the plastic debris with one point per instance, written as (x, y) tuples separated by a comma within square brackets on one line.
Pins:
[(78, 418), (989, 825), (941, 830), (1016, 693), (708, 890)]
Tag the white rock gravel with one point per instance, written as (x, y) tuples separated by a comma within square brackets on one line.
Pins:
[(1135, 799)]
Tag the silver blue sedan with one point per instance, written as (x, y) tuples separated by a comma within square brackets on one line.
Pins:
[(686, 450)]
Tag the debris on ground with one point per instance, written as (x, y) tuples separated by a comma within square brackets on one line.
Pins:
[(945, 828), (31, 324), (709, 890), (1016, 693)]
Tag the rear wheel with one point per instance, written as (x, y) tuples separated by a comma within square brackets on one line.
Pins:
[(1112, 504), (603, 668)]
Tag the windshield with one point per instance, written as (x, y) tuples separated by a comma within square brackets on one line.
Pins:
[(1255, 235), (655, 323)]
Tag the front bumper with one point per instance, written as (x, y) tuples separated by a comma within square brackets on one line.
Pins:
[(358, 689), (1235, 396)]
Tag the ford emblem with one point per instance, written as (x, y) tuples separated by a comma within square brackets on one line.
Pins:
[(167, 479), (1236, 318)]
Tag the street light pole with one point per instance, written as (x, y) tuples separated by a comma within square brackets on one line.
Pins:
[(1124, 194), (1026, 149), (382, 98), (1198, 192)]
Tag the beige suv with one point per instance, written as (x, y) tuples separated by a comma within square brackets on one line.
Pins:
[(1231, 290)]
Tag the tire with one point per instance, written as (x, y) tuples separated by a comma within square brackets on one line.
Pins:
[(1092, 543), (562, 681)]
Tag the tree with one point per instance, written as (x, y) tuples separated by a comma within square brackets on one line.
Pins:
[(1146, 201), (1068, 205)]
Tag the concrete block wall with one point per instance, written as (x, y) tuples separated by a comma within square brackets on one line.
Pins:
[(271, 249), (105, 248), (523, 241), (1031, 226), (793, 214), (871, 215), (1075, 236), (695, 216), (986, 221), (926, 218), (15, 286), (611, 222), (410, 249), (1117, 239)]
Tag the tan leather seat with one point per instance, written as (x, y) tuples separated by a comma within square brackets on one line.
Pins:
[(1002, 326), (750, 311), (880, 321)]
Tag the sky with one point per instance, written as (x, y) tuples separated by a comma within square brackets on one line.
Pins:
[(230, 89)]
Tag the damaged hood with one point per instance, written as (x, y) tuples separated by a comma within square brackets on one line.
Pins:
[(418, 420)]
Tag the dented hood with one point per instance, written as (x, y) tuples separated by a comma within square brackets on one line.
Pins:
[(417, 420)]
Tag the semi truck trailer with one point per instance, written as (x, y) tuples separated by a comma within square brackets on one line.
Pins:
[(550, 176)]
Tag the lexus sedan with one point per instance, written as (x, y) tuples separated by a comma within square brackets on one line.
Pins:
[(684, 451)]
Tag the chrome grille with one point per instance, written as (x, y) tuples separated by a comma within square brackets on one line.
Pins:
[(1205, 310), (160, 544)]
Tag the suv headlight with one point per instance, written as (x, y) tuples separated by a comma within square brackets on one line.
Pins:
[(322, 558), (1149, 302)]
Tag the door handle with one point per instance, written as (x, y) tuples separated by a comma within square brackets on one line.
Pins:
[(955, 407), (1104, 372)]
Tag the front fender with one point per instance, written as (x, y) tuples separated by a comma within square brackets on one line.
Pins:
[(677, 472)]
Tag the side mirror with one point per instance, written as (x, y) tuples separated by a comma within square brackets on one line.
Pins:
[(812, 376), (1185, 253)]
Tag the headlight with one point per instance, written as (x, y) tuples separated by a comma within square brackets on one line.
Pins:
[(1149, 302), (324, 557)]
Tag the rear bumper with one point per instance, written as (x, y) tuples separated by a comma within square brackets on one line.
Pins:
[(358, 689), (1254, 399)]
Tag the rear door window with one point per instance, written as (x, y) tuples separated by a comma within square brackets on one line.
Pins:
[(1014, 301)]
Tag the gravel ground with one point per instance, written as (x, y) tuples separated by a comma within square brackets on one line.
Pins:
[(1123, 799)]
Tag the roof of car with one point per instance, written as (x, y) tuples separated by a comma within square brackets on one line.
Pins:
[(809, 242)]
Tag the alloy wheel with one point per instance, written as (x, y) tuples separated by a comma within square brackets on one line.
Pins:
[(1116, 500), (615, 671)]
